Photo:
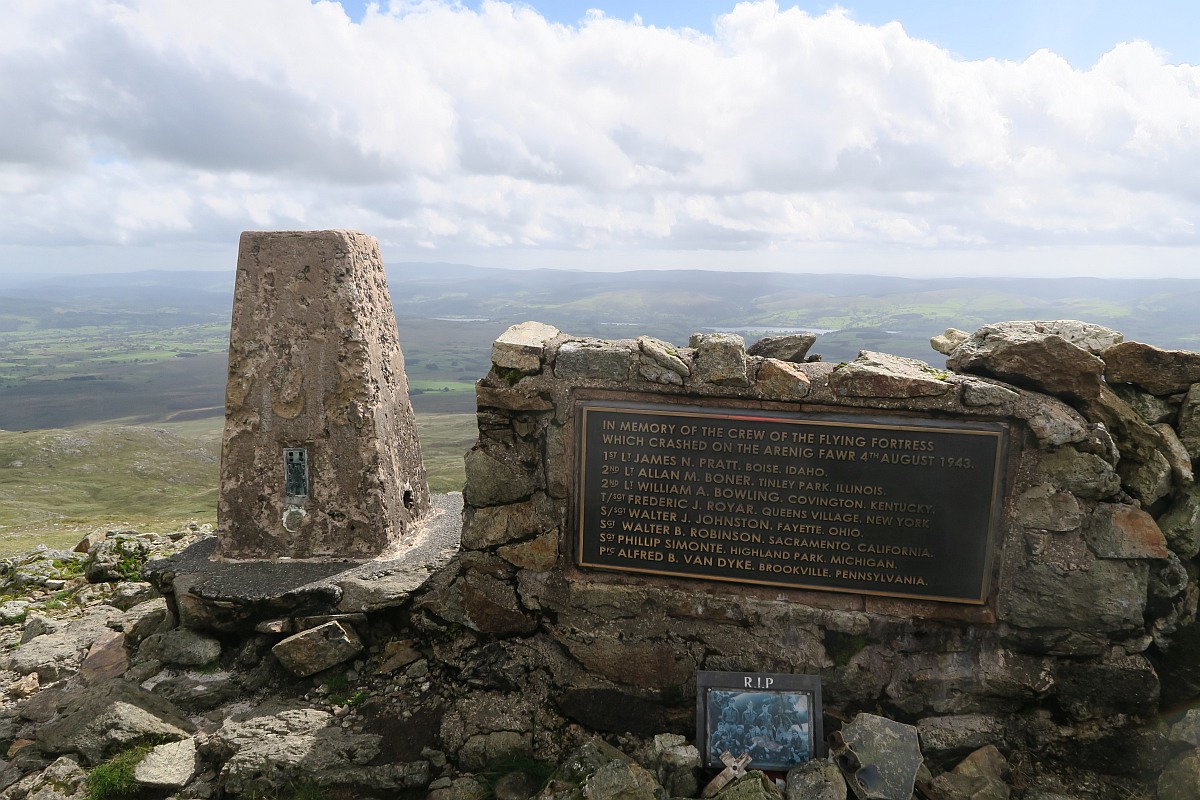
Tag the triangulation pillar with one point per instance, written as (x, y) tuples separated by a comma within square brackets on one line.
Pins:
[(320, 457)]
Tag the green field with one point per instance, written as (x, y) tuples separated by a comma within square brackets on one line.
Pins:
[(56, 486)]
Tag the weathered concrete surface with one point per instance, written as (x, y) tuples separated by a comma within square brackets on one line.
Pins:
[(315, 363), (235, 596)]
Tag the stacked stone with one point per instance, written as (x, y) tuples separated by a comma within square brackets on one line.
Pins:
[(1095, 572), (1148, 402)]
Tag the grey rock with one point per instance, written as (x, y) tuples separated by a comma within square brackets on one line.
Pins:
[(1099, 442), (1176, 454), (793, 347), (128, 594), (782, 380), (518, 785), (977, 393), (13, 611), (1187, 729), (887, 757), (487, 727), (1180, 780), (665, 355), (111, 717), (754, 785), (1168, 578), (198, 691), (268, 749), (1055, 424), (1044, 507), (882, 375), (950, 683), (491, 606), (957, 735), (583, 762), (521, 347), (1189, 421), (38, 625), (492, 481), (1093, 596), (720, 358), (945, 342), (620, 780), (1091, 337), (1082, 474), (980, 776), (119, 558), (1035, 354), (656, 373), (1120, 531), (1144, 470), (674, 763), (181, 647), (106, 658), (537, 554), (168, 766), (1125, 684), (593, 359), (1150, 408), (483, 749), (484, 528), (319, 648), (142, 620), (509, 398), (63, 779), (467, 787), (815, 780), (1158, 371), (1181, 523), (1148, 480), (56, 655)]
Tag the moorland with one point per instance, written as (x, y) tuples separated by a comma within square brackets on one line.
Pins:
[(112, 385)]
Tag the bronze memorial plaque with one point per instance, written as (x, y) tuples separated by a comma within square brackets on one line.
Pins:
[(890, 506)]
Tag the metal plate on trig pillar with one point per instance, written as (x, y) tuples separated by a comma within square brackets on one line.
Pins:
[(295, 465)]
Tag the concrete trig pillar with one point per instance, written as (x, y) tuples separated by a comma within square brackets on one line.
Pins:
[(320, 457)]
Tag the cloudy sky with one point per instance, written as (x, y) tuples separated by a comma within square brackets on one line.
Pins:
[(1044, 137)]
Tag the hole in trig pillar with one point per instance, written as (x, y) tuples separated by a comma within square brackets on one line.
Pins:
[(295, 472)]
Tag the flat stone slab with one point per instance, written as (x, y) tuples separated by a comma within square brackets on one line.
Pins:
[(168, 766), (237, 595), (521, 346)]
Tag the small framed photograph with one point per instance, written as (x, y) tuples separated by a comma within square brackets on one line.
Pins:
[(773, 717)]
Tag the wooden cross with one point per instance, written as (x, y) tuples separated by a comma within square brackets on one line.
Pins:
[(734, 769)]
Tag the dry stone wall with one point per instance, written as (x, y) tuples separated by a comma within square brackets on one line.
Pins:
[(1094, 573)]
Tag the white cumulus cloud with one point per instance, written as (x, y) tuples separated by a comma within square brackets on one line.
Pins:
[(442, 129)]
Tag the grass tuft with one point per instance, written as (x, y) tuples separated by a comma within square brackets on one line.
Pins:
[(114, 778)]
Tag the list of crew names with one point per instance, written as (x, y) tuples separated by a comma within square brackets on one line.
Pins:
[(885, 506)]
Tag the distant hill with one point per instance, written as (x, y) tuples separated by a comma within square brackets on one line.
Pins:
[(147, 347)]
